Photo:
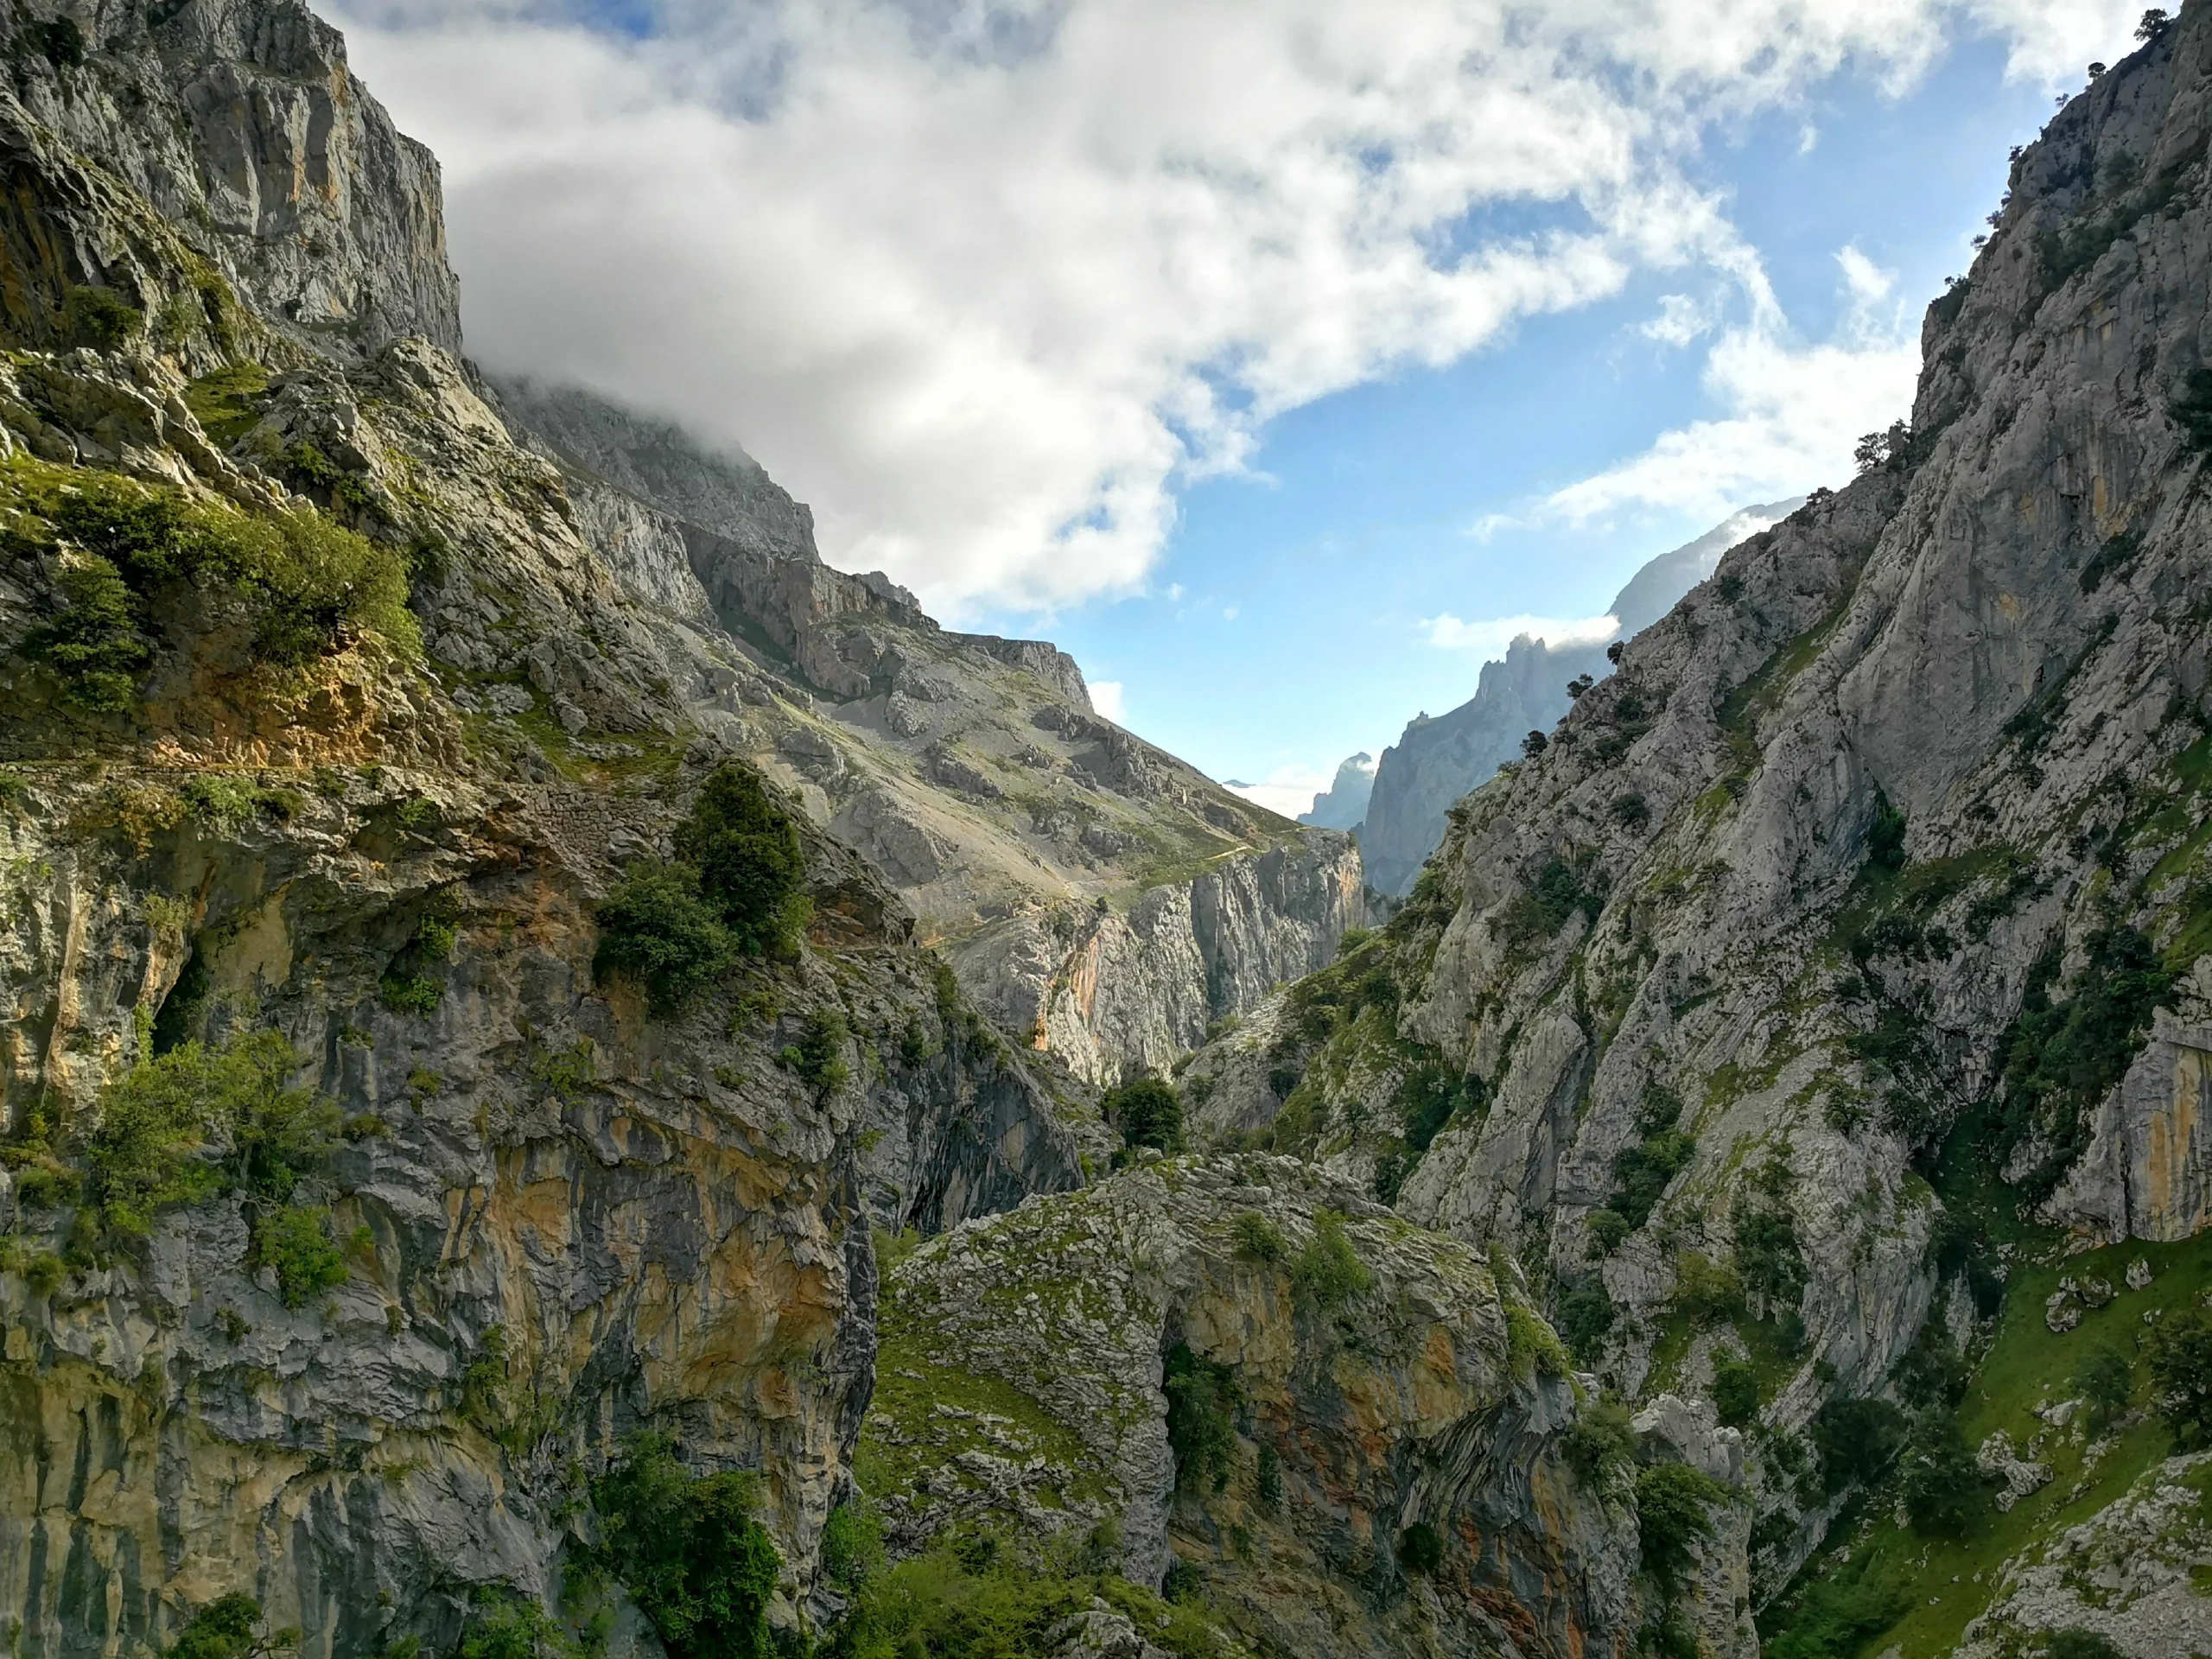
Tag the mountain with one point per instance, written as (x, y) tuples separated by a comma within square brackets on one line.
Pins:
[(1822, 1017), (1437, 760), (1344, 804), (528, 991), (1098, 896)]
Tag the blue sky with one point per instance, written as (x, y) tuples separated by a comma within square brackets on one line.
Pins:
[(1355, 524), (1246, 348)]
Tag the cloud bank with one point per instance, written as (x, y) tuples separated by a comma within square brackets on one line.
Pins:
[(987, 281), (1491, 638)]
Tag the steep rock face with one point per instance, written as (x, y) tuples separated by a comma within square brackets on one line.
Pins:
[(1887, 839), (238, 125), (560, 1214), (971, 769), (1439, 760), (1344, 804), (1022, 1385)]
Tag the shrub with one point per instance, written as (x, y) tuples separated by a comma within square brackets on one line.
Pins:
[(1839, 1612), (61, 42), (694, 1560), (1704, 1289), (819, 1054), (1530, 1342), (1609, 1228), (2107, 1379), (852, 1543), (1885, 836), (1672, 1500), (1258, 1238), (1266, 1481), (655, 928), (1603, 1438), (1202, 1400), (1735, 1391), (1943, 1490), (93, 646), (1585, 1316), (229, 1628), (1328, 1270), (1645, 1167), (1533, 745), (751, 867), (299, 579), (1147, 1111), (1631, 811), (2178, 1349), (296, 1242), (2074, 1643), (1768, 1258), (1421, 1548), (99, 317), (502, 1624), (1856, 1440), (146, 1152)]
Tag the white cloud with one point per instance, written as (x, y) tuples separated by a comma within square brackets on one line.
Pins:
[(1681, 320), (1491, 638), (987, 281), (1491, 523), (1229, 613), (1288, 791), (1106, 698), (1794, 412)]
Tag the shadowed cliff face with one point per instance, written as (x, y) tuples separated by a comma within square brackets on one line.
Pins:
[(1865, 900)]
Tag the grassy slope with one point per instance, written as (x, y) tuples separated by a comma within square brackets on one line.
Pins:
[(1940, 1585)]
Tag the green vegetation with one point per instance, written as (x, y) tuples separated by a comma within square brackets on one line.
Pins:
[(1735, 1391), (1643, 1169), (229, 1627), (302, 581), (1856, 1439), (410, 983), (1203, 1400), (690, 1552), (1584, 1316), (1943, 1492), (2106, 1378), (1148, 1112), (2178, 1352), (752, 868), (99, 317), (1672, 1506), (1557, 893), (296, 1242), (1531, 1345), (656, 928), (2061, 1057), (226, 403), (852, 1544), (1421, 1548), (1328, 1271), (2074, 1642), (737, 888), (1257, 1238), (1916, 1590), (819, 1054), (1602, 1439), (147, 1153), (977, 1598)]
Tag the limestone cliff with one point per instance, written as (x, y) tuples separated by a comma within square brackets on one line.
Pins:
[(1098, 896), (1839, 955)]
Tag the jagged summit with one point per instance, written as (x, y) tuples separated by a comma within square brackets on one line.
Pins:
[(1440, 759)]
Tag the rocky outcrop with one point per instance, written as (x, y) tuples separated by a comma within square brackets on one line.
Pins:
[(1114, 994), (1437, 760), (1025, 1364), (1344, 804), (238, 130), (2133, 1572)]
